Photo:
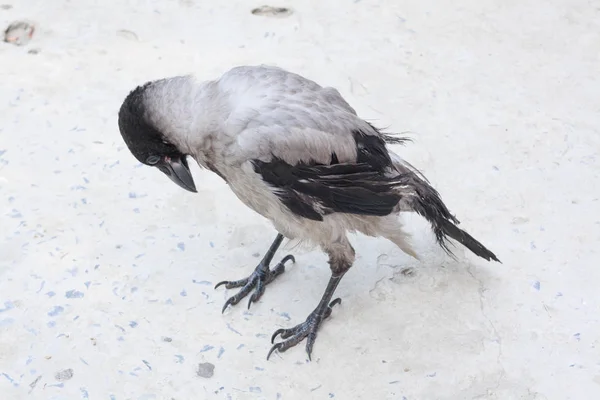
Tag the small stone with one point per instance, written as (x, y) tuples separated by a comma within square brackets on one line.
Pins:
[(19, 33), (64, 375), (268, 11), (205, 370), (129, 35)]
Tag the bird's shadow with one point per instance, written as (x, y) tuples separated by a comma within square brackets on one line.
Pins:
[(435, 276)]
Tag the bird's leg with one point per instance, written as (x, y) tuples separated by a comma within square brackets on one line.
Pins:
[(260, 278), (340, 264)]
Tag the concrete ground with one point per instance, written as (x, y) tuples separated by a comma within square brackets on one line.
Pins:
[(107, 269)]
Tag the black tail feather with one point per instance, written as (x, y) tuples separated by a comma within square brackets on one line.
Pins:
[(428, 204), (449, 229)]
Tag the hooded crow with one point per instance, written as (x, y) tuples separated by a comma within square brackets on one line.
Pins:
[(296, 153)]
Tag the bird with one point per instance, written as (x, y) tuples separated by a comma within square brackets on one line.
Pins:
[(297, 154)]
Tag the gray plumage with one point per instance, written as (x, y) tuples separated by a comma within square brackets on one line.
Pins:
[(291, 150)]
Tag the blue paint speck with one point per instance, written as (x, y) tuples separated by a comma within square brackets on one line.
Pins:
[(536, 285), (132, 195), (211, 244), (15, 214), (74, 294), (55, 311), (147, 364), (181, 246), (8, 305), (285, 315), (179, 359), (255, 389), (183, 293), (221, 351), (577, 336), (51, 324), (431, 375), (50, 294), (207, 348), (32, 331), (84, 393), (232, 330), (133, 324)]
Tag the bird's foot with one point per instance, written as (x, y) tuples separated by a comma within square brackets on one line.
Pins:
[(308, 329), (260, 278)]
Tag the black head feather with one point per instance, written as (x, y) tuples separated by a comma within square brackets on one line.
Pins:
[(143, 140)]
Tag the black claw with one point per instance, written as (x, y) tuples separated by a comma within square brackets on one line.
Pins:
[(275, 347), (334, 302), (288, 333), (253, 299), (306, 330), (221, 283), (288, 258), (233, 284), (277, 332), (261, 277), (230, 301), (310, 341)]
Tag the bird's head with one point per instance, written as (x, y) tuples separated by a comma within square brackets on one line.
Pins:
[(148, 144)]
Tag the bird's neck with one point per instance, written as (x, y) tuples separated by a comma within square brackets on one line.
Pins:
[(185, 111)]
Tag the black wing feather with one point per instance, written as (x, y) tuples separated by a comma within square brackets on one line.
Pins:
[(312, 190)]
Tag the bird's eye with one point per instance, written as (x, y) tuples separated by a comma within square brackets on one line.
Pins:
[(152, 160)]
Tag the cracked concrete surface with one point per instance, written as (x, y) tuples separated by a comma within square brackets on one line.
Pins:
[(106, 269)]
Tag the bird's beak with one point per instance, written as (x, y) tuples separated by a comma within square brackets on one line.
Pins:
[(177, 169)]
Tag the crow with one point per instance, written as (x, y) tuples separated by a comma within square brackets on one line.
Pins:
[(296, 153)]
